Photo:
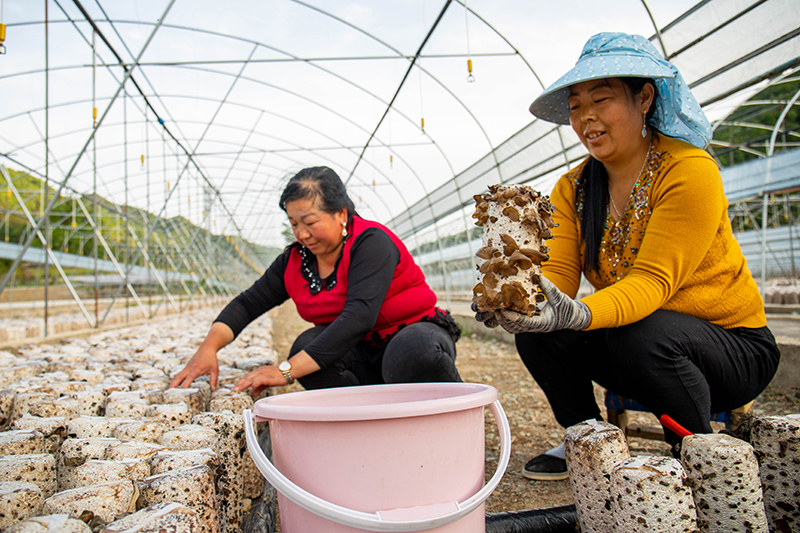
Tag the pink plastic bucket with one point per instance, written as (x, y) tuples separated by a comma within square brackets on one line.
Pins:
[(404, 457)]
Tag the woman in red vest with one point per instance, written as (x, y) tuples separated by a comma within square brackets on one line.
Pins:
[(375, 318)]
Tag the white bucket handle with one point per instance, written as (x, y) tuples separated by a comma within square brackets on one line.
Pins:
[(374, 521)]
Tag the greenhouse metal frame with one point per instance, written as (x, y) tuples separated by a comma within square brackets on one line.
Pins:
[(169, 193)]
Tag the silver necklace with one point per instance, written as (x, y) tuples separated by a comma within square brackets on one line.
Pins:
[(613, 204)]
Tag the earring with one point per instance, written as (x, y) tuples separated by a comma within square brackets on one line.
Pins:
[(644, 125), (344, 229)]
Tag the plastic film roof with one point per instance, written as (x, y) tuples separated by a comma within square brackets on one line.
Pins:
[(205, 108)]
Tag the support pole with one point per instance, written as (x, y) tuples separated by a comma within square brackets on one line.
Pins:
[(147, 215), (94, 176), (125, 215), (46, 187)]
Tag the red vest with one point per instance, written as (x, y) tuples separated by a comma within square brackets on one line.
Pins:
[(408, 300)]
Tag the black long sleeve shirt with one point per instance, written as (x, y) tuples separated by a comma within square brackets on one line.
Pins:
[(373, 260)]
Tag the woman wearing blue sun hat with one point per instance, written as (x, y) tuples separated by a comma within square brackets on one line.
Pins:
[(676, 320)]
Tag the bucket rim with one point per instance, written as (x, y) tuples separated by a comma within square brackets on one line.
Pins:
[(455, 397)]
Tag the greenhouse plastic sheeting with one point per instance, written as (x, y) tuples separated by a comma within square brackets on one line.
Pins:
[(720, 46)]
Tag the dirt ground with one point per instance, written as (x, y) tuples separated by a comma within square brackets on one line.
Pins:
[(533, 427)]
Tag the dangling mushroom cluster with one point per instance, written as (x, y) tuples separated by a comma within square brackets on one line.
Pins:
[(516, 219)]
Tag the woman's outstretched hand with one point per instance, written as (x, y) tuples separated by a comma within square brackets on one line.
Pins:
[(259, 379), (203, 363), (558, 312)]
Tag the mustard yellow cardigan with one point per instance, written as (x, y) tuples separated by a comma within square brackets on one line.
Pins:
[(673, 248)]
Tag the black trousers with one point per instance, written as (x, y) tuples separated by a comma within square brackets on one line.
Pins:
[(418, 353), (669, 362)]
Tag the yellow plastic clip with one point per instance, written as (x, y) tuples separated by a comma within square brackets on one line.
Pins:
[(2, 38), (391, 161), (167, 185), (470, 77), (142, 161), (422, 121)]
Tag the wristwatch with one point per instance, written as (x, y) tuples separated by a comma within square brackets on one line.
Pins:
[(286, 369)]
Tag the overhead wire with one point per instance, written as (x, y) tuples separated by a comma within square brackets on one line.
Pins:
[(399, 88), (470, 77)]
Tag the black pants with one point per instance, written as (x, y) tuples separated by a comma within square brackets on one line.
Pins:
[(669, 362), (420, 352)]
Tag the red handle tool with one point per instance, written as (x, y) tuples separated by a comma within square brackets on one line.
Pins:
[(678, 429)]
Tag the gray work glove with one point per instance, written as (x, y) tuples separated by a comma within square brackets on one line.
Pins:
[(488, 318), (558, 312)]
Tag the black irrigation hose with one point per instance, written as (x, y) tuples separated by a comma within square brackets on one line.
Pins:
[(550, 520)]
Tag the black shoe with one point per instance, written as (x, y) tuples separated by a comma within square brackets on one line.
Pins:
[(546, 468)]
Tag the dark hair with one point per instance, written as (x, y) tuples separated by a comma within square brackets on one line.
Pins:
[(319, 182), (593, 189)]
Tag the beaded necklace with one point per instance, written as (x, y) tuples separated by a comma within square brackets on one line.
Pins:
[(622, 238), (644, 164), (310, 272)]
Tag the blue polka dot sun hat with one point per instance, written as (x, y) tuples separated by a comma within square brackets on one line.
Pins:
[(619, 55)]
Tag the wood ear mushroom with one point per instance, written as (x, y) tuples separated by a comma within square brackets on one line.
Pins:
[(516, 220)]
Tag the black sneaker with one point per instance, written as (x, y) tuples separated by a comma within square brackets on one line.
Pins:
[(546, 468)]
